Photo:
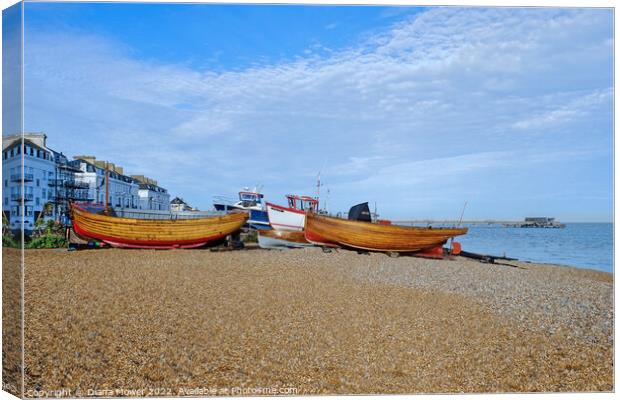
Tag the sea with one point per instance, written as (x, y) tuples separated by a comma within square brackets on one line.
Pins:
[(583, 245)]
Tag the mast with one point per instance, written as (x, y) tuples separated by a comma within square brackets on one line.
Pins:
[(107, 186), (318, 185)]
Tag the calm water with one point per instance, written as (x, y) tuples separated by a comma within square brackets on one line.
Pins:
[(580, 245)]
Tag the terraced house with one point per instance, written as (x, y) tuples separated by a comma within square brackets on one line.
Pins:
[(42, 183), (48, 181)]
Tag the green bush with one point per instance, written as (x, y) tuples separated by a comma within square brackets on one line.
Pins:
[(8, 240), (46, 241)]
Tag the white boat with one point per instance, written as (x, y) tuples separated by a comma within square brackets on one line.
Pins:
[(291, 218), (279, 239), (251, 201)]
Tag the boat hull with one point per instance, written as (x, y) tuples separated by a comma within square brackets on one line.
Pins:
[(259, 219), (277, 239), (336, 232), (284, 218), (154, 233)]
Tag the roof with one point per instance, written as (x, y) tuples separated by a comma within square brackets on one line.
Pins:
[(304, 198), (178, 200)]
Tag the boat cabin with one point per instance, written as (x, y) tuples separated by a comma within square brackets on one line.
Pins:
[(302, 203), (250, 199)]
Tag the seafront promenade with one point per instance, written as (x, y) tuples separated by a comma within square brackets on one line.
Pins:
[(308, 322)]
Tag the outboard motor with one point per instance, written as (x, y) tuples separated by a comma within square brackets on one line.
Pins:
[(360, 212)]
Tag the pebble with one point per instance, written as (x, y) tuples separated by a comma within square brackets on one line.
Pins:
[(322, 323)]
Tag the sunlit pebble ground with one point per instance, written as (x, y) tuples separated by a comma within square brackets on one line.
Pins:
[(11, 322), (339, 322)]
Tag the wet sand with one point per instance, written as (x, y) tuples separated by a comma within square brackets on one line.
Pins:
[(304, 322)]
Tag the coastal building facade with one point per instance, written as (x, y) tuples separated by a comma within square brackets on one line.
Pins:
[(38, 182), (129, 192), (178, 204), (45, 185), (151, 196), (122, 190)]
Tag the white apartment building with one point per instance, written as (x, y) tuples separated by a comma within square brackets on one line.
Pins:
[(34, 175), (128, 192), (152, 196), (122, 189), (25, 194)]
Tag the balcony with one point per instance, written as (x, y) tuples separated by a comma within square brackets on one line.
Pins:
[(21, 197), (68, 183), (18, 177)]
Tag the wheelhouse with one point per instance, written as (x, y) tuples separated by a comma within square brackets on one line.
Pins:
[(302, 203), (250, 199)]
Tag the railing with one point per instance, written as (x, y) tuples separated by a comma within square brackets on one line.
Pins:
[(224, 200), (21, 197), (68, 183), (18, 177), (156, 214)]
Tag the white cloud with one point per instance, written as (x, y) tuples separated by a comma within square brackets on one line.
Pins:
[(575, 108), (449, 91)]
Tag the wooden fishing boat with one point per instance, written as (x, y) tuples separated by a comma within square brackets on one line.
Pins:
[(153, 233), (277, 239), (335, 232), (291, 218)]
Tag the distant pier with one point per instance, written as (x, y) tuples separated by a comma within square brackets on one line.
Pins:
[(453, 222), (529, 222)]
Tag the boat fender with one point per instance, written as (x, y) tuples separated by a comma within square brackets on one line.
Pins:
[(456, 248)]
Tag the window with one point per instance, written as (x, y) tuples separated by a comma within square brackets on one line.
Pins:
[(38, 182), (31, 151), (44, 195), (6, 200), (12, 152), (19, 149), (6, 183), (38, 201)]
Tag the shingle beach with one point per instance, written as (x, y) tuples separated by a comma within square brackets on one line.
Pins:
[(136, 322)]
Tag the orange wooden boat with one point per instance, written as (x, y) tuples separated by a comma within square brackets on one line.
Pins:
[(153, 233), (335, 232)]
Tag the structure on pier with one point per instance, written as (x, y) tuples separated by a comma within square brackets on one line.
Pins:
[(538, 222)]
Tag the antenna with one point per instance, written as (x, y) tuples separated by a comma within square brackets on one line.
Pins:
[(326, 201), (318, 179), (376, 216)]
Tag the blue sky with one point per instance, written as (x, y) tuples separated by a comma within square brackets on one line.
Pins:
[(417, 109)]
